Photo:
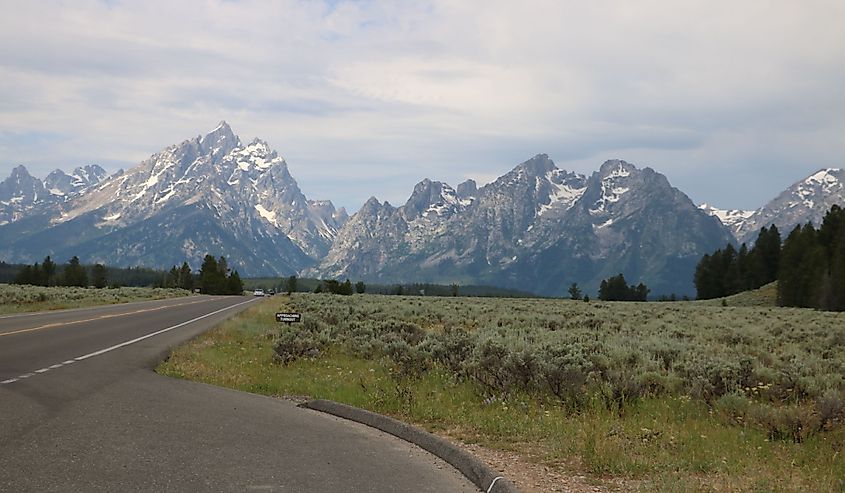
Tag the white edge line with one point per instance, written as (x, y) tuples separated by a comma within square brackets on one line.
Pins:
[(493, 483), (162, 331), (122, 344)]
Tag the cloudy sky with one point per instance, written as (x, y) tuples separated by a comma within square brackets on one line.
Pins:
[(733, 101)]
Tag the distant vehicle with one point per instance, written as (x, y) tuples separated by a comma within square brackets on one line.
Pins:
[(271, 292), (258, 292)]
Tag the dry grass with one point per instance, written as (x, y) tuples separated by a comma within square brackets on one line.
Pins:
[(16, 298)]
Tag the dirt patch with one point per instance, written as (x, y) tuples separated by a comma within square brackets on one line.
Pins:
[(531, 477)]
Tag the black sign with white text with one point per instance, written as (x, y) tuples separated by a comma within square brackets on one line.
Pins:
[(288, 317)]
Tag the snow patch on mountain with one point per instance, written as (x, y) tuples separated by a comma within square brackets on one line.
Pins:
[(270, 216), (732, 218), (564, 193)]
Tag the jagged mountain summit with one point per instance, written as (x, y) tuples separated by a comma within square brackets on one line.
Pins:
[(537, 228), (210, 193), (805, 201), (21, 193)]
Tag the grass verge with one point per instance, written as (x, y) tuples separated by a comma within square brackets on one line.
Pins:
[(18, 299)]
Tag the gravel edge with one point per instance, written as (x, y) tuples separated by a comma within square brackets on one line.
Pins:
[(487, 479)]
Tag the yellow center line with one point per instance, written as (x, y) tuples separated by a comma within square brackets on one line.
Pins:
[(101, 317)]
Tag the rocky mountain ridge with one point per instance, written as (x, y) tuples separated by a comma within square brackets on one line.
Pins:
[(212, 192), (807, 200), (536, 228), (21, 193)]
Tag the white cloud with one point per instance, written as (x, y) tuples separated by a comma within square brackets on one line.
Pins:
[(388, 92)]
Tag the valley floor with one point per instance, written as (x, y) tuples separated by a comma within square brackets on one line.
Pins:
[(565, 395)]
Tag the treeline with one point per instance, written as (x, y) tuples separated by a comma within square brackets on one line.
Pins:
[(729, 271), (47, 273), (214, 276), (812, 267), (616, 288), (36, 275), (343, 288), (295, 284), (809, 265)]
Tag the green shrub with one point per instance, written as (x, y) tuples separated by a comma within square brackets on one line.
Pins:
[(830, 408), (487, 365), (564, 370), (451, 349), (293, 344)]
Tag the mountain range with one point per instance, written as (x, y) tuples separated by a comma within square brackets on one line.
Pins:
[(805, 201), (537, 228)]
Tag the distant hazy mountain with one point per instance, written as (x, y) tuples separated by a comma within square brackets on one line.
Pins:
[(21, 193), (537, 228), (209, 194), (63, 185), (805, 201)]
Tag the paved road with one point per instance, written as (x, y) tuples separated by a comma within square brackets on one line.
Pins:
[(81, 410)]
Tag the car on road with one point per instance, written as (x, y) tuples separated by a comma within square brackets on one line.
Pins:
[(258, 292)]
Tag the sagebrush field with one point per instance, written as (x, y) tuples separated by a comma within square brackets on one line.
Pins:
[(25, 298), (654, 396)]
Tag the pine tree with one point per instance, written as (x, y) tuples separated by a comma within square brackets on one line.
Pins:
[(640, 293), (574, 291), (291, 284), (75, 274), (186, 279), (48, 271), (742, 269), (172, 279), (802, 267), (210, 282), (98, 276), (24, 276), (37, 275), (360, 287), (704, 279), (730, 276), (234, 284), (837, 273), (768, 247)]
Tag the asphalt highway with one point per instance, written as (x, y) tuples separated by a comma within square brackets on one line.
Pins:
[(82, 410)]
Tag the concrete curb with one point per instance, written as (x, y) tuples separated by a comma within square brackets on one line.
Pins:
[(475, 470)]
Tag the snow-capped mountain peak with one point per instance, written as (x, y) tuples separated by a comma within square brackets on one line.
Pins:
[(22, 194), (805, 201), (210, 190), (62, 184), (614, 176)]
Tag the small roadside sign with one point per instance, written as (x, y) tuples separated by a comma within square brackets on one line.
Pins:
[(288, 317)]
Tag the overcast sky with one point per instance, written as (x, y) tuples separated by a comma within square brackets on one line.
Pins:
[(733, 101)]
